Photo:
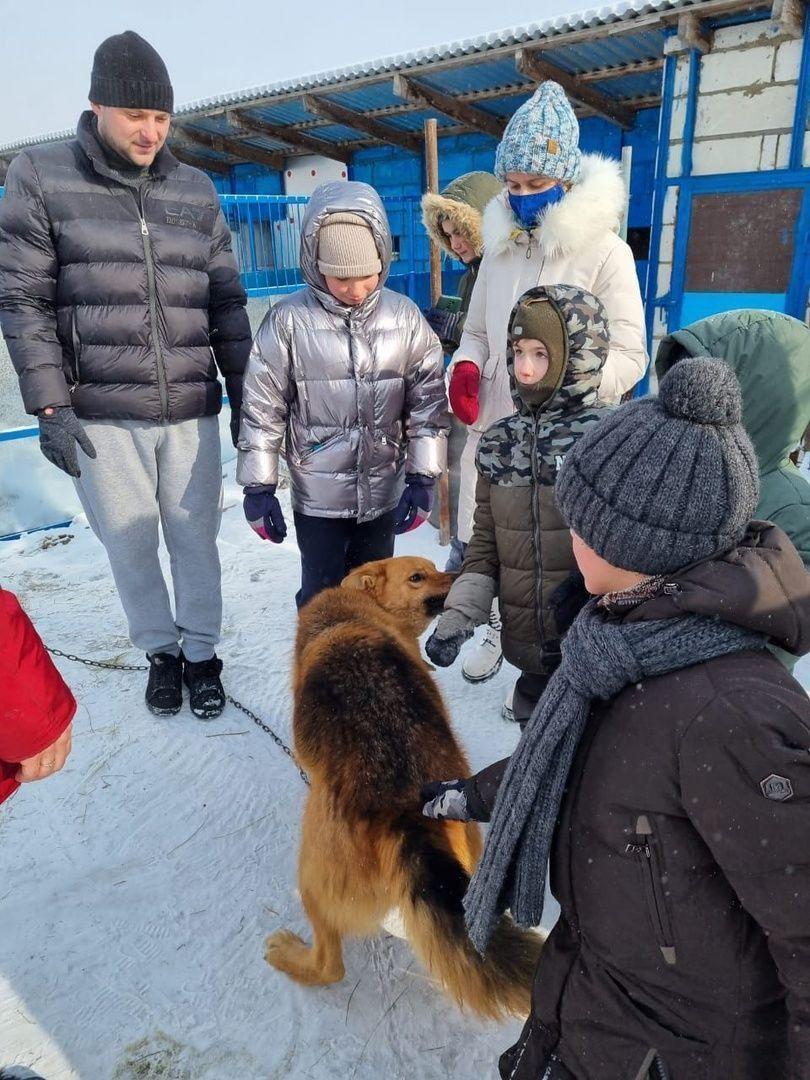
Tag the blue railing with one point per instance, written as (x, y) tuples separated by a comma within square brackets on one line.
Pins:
[(266, 233)]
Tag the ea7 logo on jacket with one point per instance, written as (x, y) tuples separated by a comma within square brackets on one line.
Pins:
[(187, 217)]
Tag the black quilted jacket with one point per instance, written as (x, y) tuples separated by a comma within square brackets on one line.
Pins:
[(118, 296)]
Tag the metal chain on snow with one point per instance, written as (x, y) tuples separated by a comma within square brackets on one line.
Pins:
[(269, 731), (107, 666)]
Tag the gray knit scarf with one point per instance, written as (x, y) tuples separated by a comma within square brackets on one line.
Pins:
[(599, 658)]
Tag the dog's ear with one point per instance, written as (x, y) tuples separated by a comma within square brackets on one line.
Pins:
[(364, 579)]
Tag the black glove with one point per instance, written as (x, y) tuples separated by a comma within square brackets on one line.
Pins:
[(446, 800), (444, 325), (452, 630), (233, 388), (567, 600), (58, 435), (455, 800)]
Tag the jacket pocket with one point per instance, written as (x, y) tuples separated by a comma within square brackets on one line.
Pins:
[(644, 848), (316, 448), (391, 450)]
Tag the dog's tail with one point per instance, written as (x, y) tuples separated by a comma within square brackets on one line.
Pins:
[(434, 861)]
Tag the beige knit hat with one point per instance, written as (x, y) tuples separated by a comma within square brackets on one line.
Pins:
[(346, 247)]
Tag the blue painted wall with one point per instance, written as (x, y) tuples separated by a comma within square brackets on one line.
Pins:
[(395, 172), (249, 179)]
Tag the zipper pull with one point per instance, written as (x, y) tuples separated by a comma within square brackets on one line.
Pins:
[(144, 229)]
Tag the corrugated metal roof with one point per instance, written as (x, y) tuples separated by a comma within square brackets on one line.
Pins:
[(623, 10), (593, 54)]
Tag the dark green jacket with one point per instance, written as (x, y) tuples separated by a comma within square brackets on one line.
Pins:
[(462, 202), (770, 355)]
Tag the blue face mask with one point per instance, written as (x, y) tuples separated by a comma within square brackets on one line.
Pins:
[(527, 208)]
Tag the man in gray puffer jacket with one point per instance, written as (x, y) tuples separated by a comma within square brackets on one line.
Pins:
[(351, 377), (119, 298)]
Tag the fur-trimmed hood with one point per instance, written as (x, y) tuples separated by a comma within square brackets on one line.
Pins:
[(462, 202), (593, 205)]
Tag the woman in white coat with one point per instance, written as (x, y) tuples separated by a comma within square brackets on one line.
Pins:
[(555, 222)]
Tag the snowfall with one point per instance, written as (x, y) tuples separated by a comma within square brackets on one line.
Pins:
[(138, 885)]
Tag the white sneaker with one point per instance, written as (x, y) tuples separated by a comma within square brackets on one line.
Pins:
[(508, 707), (484, 661)]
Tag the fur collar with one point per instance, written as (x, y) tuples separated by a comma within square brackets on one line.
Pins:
[(594, 204), (465, 218)]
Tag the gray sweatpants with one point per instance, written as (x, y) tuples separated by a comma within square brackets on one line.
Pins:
[(148, 476)]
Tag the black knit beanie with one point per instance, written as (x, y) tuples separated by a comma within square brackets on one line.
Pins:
[(129, 74), (663, 482)]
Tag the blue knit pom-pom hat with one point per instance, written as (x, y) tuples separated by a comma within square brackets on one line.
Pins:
[(541, 138)]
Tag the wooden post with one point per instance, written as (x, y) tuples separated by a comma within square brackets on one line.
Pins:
[(432, 183)]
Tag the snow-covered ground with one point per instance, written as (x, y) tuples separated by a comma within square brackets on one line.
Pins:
[(138, 885)]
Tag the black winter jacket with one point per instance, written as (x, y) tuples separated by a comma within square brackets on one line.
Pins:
[(680, 856), (117, 296)]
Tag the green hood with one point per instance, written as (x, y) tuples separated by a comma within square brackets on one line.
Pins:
[(463, 202), (770, 355)]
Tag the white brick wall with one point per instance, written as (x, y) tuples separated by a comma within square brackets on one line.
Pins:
[(728, 155), (667, 243), (729, 70), (670, 206), (755, 109), (746, 102), (732, 37), (788, 59)]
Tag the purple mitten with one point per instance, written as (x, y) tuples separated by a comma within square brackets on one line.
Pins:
[(416, 503), (263, 513)]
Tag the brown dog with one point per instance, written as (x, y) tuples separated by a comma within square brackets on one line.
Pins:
[(371, 728)]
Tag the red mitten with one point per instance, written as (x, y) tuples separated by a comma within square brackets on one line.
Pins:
[(463, 391)]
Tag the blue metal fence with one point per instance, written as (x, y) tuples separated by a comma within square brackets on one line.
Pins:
[(266, 233)]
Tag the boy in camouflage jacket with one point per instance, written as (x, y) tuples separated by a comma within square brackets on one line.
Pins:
[(521, 550)]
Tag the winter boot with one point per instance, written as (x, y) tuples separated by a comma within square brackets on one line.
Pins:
[(205, 693), (164, 690), (484, 661), (508, 707)]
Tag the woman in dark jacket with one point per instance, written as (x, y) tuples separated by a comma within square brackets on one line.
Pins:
[(669, 760)]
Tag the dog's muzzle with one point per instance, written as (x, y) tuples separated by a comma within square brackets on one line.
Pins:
[(434, 605)]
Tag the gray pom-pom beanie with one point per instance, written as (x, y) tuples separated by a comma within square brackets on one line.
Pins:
[(664, 482)]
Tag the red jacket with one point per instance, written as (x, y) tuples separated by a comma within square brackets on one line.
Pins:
[(35, 704)]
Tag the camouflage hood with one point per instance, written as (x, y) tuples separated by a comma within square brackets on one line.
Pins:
[(547, 431)]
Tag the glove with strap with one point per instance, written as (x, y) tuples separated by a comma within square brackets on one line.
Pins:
[(454, 800), (463, 391), (59, 432), (452, 630), (444, 325), (416, 503), (263, 512)]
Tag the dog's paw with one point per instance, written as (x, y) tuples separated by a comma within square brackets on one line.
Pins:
[(279, 945)]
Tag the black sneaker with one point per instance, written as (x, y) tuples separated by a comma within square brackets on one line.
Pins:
[(206, 696), (164, 690)]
